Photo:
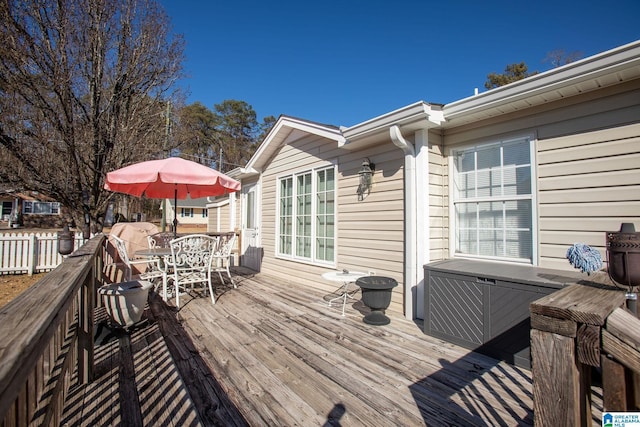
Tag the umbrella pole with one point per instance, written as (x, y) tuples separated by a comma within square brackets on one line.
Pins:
[(175, 213), (164, 215)]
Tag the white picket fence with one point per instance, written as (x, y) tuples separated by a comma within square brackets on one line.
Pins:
[(31, 252)]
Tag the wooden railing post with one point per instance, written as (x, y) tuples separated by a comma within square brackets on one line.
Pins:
[(87, 299), (615, 384), (565, 344), (85, 332), (556, 379), (621, 366)]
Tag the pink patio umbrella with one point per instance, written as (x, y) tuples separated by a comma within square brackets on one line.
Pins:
[(172, 177)]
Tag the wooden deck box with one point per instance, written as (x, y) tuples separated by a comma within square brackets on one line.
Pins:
[(484, 306)]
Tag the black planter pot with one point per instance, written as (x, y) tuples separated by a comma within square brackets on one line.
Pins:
[(376, 294), (65, 241)]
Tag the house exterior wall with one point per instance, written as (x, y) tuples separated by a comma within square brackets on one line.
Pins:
[(369, 232), (212, 219), (225, 217), (219, 214), (587, 184), (587, 155), (216, 218), (438, 199)]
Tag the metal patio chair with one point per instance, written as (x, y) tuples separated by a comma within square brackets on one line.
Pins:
[(222, 256), (152, 269), (191, 263), (160, 240)]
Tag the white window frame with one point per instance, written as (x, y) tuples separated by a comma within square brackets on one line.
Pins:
[(314, 234), (453, 253), (28, 207), (186, 212)]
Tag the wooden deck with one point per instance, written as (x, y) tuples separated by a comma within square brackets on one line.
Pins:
[(274, 353)]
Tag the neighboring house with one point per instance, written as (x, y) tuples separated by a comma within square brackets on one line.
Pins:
[(190, 211), (29, 208), (516, 174)]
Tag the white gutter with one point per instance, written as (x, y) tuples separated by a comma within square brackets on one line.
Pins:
[(244, 173), (419, 114), (410, 217)]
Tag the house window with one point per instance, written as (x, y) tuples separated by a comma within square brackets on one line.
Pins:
[(306, 216), (493, 200), (186, 212), (250, 216), (205, 213), (325, 215), (40, 208), (7, 207)]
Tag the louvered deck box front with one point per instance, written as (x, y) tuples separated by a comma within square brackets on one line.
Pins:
[(484, 306)]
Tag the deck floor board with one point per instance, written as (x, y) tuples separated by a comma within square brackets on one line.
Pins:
[(275, 353)]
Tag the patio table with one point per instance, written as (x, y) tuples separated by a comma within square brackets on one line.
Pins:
[(153, 252), (345, 277)]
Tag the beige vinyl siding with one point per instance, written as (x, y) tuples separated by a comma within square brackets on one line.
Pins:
[(219, 217), (215, 218), (212, 223), (238, 222), (370, 232), (438, 200), (225, 217), (588, 184)]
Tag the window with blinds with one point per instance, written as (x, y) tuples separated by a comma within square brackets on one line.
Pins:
[(493, 200)]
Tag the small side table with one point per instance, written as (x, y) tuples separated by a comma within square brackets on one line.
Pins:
[(345, 277)]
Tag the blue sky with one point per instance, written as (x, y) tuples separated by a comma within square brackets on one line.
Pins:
[(344, 62)]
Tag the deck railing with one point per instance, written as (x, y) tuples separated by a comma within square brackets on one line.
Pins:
[(31, 252), (47, 336), (573, 330)]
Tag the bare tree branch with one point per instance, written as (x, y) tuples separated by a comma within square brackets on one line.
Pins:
[(83, 85)]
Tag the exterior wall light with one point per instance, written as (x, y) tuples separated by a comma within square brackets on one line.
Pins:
[(365, 179)]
